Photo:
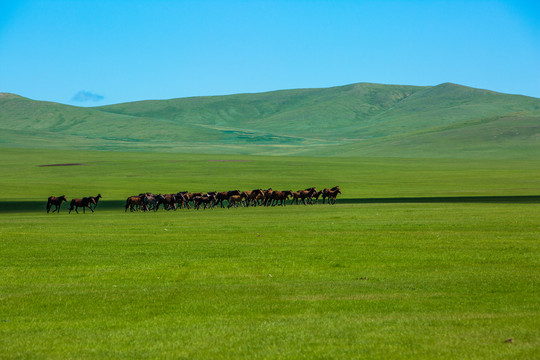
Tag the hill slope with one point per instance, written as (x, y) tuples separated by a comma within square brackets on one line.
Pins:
[(447, 120)]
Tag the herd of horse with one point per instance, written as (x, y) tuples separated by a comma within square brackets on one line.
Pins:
[(184, 199), (234, 198)]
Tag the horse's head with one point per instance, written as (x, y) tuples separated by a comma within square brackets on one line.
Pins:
[(98, 196), (63, 198)]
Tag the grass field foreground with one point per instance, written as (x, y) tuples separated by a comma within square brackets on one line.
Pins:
[(345, 281)]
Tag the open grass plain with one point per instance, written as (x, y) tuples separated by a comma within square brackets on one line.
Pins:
[(420, 258)]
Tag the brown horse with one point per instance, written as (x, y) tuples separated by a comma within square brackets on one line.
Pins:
[(234, 200), (316, 197), (281, 197), (168, 201), (180, 200), (327, 191), (56, 201), (303, 195), (225, 195), (135, 202), (332, 195), (77, 203), (95, 200), (207, 201), (267, 198), (186, 197), (254, 197)]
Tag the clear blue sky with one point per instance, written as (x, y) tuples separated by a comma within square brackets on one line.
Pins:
[(96, 52)]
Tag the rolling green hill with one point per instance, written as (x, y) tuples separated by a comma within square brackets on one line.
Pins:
[(362, 119)]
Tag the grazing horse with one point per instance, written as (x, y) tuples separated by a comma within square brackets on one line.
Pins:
[(77, 203), (280, 196), (56, 201), (95, 200), (328, 191)]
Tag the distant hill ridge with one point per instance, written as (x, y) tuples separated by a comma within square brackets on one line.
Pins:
[(363, 119)]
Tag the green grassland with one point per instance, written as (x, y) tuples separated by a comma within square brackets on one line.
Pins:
[(441, 279), (443, 121)]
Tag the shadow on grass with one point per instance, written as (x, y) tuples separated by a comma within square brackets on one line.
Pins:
[(39, 206)]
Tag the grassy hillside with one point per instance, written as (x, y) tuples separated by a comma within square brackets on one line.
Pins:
[(447, 120)]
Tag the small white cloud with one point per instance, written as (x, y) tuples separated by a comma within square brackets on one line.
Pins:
[(83, 96)]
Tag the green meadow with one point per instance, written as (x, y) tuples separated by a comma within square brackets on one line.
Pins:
[(420, 258)]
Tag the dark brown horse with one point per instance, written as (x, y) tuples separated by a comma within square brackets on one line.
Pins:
[(207, 201), (316, 197), (332, 195), (77, 203), (180, 200), (95, 200), (56, 201), (267, 198), (186, 197), (254, 197), (225, 195), (327, 191), (135, 202), (168, 201), (281, 197), (303, 195)]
